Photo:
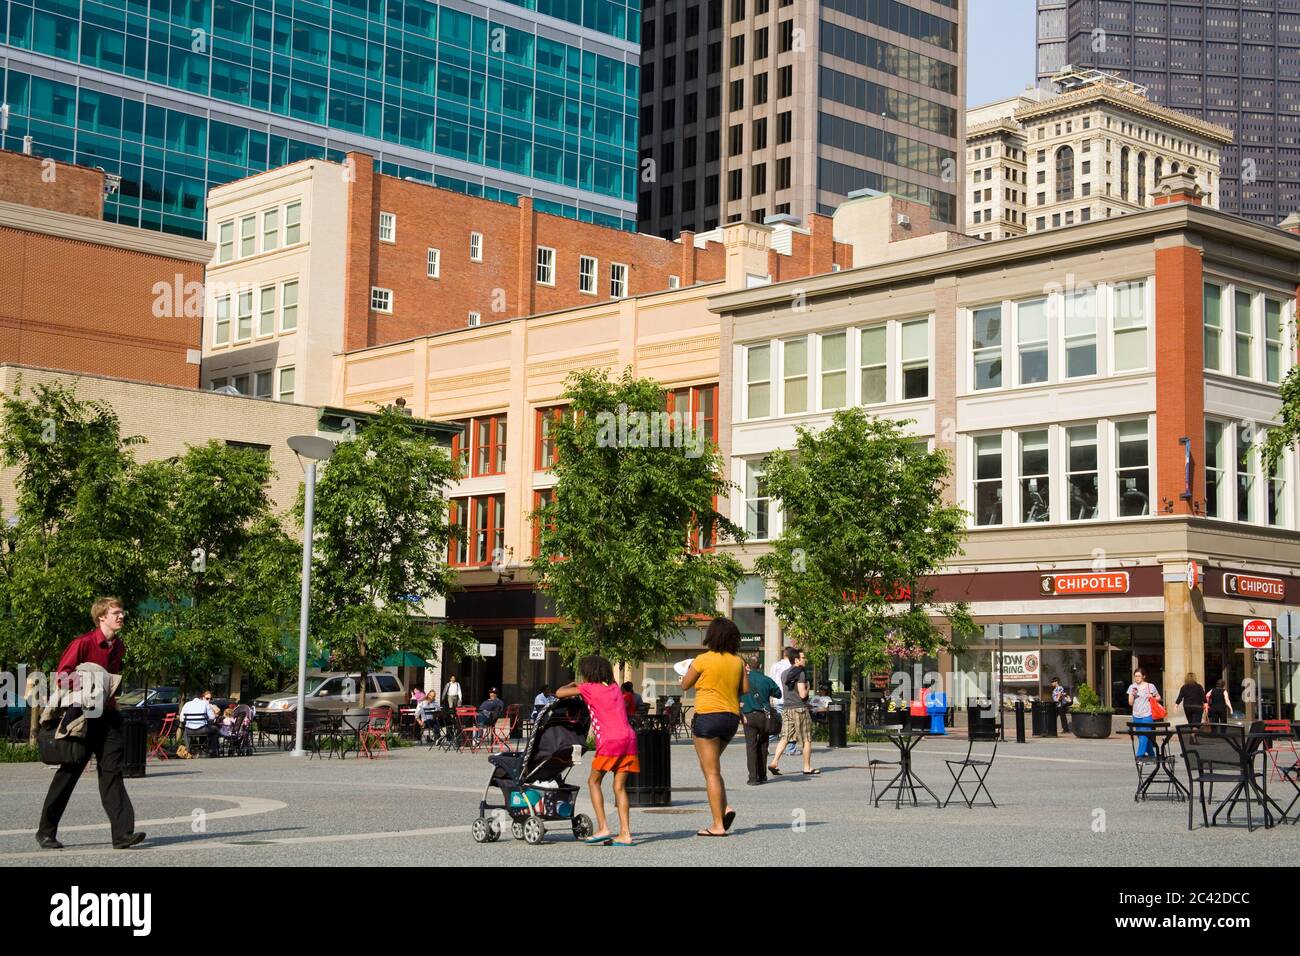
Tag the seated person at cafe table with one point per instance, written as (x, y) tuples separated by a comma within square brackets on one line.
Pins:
[(490, 710), (425, 710), (200, 714)]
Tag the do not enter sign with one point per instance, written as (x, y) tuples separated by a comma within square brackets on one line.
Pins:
[(1257, 633)]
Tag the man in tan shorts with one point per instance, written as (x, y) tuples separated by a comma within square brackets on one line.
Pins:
[(796, 722)]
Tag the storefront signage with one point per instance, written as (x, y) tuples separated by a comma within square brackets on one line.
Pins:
[(1104, 582), (536, 649), (1018, 667), (487, 650), (1257, 633), (1250, 585), (1193, 575)]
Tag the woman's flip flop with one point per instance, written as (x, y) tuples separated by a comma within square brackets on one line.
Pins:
[(812, 773), (728, 819), (709, 833), (773, 771), (599, 841)]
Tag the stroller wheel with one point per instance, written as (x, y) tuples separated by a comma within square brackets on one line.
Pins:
[(582, 827), (483, 831), (517, 829), (534, 831)]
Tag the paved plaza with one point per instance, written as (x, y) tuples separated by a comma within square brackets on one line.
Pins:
[(1063, 801)]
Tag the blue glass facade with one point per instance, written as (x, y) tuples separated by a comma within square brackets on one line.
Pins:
[(176, 96)]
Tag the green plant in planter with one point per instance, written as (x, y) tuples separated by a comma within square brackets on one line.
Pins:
[(1087, 701)]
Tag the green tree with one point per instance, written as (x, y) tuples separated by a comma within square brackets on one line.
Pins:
[(1288, 433), (381, 547), (615, 550), (864, 525), (226, 580)]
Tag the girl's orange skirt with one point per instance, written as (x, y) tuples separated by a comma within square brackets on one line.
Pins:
[(625, 764)]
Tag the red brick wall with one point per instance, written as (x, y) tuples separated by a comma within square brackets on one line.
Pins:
[(504, 284), (1180, 381), (82, 307), (46, 184)]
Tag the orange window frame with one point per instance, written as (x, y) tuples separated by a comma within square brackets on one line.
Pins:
[(541, 498), (701, 402), (494, 461), (544, 458), (467, 530), (460, 445)]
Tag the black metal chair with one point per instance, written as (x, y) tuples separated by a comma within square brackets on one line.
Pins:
[(873, 763), (978, 763), (1216, 753), (1157, 759), (194, 730)]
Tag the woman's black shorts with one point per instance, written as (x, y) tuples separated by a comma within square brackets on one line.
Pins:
[(719, 726)]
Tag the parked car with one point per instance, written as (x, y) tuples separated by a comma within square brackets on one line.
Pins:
[(334, 693), (158, 702)]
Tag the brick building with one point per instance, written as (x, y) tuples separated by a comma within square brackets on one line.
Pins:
[(85, 295), (318, 258)]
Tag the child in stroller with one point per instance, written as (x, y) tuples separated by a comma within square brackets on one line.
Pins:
[(532, 781)]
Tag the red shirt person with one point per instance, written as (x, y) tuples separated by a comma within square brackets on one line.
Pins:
[(99, 646)]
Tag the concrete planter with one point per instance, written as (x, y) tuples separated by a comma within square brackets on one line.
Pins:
[(1090, 726)]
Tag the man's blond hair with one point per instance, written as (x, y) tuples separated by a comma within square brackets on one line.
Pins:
[(102, 606)]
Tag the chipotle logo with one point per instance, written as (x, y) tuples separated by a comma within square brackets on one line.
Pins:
[(1104, 582), (1250, 585)]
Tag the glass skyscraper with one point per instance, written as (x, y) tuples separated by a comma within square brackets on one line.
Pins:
[(1232, 62), (494, 98)]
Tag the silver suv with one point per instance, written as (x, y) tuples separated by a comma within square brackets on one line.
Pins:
[(336, 692)]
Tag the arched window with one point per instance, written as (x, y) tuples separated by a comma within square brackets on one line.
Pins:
[(1064, 173), (1123, 173), (1173, 167), (1159, 165), (1142, 179)]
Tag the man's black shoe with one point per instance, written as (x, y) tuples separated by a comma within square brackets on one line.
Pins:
[(128, 841), (49, 843)]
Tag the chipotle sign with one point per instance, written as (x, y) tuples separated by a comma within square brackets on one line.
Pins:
[(1103, 582), (1254, 586)]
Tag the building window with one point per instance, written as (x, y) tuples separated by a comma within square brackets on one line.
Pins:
[(270, 229), (240, 384), (292, 223), (758, 381), (587, 267), (476, 247), (489, 445), (266, 312), (674, 282), (1081, 333), (433, 264), (757, 502), (617, 280), (545, 449), (244, 324), (545, 266), (221, 323), (1212, 308), (1216, 464), (1247, 470), (287, 377), (834, 370), (1244, 335), (698, 407), (1133, 490), (914, 346), (1031, 340), (226, 241), (873, 343), (477, 529), (1064, 174), (986, 337), (381, 300), (289, 306), (219, 383), (1277, 510), (473, 320), (794, 376), (1035, 495), (387, 227), (988, 480), (247, 236), (1272, 341), (1081, 465), (784, 128), (1130, 326)]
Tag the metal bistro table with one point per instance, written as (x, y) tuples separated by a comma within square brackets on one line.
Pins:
[(905, 779), (1256, 746), (1159, 733)]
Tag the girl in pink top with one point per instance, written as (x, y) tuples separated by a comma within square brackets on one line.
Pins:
[(615, 745)]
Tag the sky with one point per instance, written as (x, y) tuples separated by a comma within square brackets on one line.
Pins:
[(999, 49)]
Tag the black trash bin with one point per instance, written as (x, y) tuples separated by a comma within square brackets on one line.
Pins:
[(135, 739), (653, 786), (981, 718), (1049, 718), (1038, 725), (837, 725)]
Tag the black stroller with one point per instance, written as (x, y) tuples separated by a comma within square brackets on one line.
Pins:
[(531, 781)]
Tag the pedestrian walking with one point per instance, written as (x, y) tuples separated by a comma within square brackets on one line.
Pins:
[(759, 718), (1061, 697), (777, 672), (451, 693), (101, 646), (1220, 703), (1140, 695), (719, 678), (615, 746), (796, 722), (1192, 696)]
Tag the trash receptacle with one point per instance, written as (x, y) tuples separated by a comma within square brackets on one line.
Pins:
[(653, 786), (981, 718), (135, 736), (1049, 718), (837, 726), (1036, 721)]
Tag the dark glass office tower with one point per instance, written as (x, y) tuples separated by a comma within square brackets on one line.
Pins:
[(497, 98), (1233, 62), (755, 108)]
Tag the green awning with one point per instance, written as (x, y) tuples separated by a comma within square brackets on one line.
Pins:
[(405, 659)]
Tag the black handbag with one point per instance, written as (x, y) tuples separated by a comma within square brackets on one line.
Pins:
[(57, 751)]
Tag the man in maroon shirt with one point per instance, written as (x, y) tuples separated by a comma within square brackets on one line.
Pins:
[(100, 646)]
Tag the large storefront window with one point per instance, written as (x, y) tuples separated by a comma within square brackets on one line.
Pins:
[(1122, 649), (750, 615), (1032, 655)]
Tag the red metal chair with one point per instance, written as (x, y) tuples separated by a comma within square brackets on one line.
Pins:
[(1277, 747), (159, 749), (376, 732), (467, 728), (504, 730)]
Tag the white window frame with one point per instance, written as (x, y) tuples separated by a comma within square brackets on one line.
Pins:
[(1281, 474), (1253, 471), (271, 234), (1018, 450), (748, 385), (618, 280), (1001, 347), (266, 376), (1098, 472), (747, 502), (1001, 481), (250, 239), (221, 320), (474, 320), (226, 241), (1218, 329), (378, 294), (279, 383), (433, 263), (1251, 337), (241, 312), (1116, 469), (902, 362), (674, 282), (883, 365), (1043, 345), (806, 375), (1148, 313), (263, 327), (588, 275), (284, 304), (1278, 344), (476, 247), (293, 223), (1225, 467), (388, 227), (1066, 302), (546, 270), (842, 371)]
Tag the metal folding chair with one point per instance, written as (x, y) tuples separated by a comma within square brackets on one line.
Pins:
[(979, 765)]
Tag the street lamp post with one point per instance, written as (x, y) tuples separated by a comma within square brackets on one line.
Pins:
[(312, 448)]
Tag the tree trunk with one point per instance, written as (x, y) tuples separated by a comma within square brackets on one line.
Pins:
[(853, 699), (36, 722)]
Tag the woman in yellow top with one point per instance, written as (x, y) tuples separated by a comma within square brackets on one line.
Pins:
[(719, 677)]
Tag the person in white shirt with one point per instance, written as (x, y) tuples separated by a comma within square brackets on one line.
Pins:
[(777, 673), (201, 714), (543, 700), (451, 693)]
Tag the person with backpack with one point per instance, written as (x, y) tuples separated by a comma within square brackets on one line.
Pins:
[(760, 720), (1062, 699)]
